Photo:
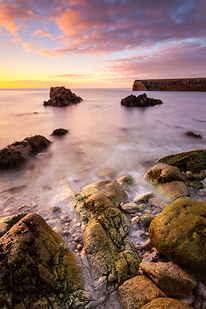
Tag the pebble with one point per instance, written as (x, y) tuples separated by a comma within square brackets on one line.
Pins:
[(131, 208), (200, 290), (79, 247), (197, 303), (147, 246), (55, 209), (157, 202)]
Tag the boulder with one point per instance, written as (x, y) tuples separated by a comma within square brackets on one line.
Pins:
[(17, 153), (141, 101), (60, 96), (108, 255), (107, 173), (170, 278), (165, 303), (111, 188), (126, 181), (194, 161), (37, 270), (138, 291), (168, 181), (178, 232)]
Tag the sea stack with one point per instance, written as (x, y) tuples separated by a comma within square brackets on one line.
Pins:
[(60, 96)]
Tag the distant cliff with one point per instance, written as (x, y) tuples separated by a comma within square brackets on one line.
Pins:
[(181, 84)]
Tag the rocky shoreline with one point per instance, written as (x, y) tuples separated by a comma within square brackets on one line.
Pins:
[(115, 250)]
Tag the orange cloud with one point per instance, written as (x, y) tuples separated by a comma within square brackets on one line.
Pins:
[(41, 33), (27, 46), (7, 20), (16, 40), (45, 52)]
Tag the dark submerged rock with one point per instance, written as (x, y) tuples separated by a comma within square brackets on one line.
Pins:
[(17, 153), (141, 101), (193, 134), (60, 96), (59, 131)]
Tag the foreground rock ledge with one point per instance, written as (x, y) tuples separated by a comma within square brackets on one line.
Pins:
[(37, 270), (60, 96)]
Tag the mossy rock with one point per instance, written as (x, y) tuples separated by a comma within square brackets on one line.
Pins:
[(162, 173), (179, 232), (107, 247), (194, 161), (111, 189), (196, 184), (165, 303), (138, 291), (168, 182), (35, 261), (146, 219), (126, 181)]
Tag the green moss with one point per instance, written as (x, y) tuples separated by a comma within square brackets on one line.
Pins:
[(194, 161), (196, 184)]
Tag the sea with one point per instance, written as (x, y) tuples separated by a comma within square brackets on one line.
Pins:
[(102, 134)]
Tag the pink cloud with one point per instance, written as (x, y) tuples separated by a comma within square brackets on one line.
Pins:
[(174, 61), (90, 26), (41, 33)]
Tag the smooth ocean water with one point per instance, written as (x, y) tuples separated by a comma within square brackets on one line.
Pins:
[(102, 134)]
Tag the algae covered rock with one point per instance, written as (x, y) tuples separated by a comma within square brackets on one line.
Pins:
[(170, 278), (194, 161), (178, 232), (111, 188), (37, 270), (107, 249), (168, 181), (165, 303), (138, 291)]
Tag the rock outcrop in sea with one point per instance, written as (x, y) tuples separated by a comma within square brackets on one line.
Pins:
[(17, 153), (61, 96), (140, 101), (180, 84)]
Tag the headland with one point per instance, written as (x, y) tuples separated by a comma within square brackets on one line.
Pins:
[(180, 84)]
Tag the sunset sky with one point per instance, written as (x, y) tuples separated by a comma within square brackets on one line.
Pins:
[(100, 43)]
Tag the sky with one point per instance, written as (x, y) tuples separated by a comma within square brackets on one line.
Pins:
[(100, 43)]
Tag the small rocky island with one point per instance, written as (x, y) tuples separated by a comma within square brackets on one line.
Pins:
[(140, 101), (180, 84), (60, 96)]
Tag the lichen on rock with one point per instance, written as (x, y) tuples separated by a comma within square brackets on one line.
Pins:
[(37, 270)]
